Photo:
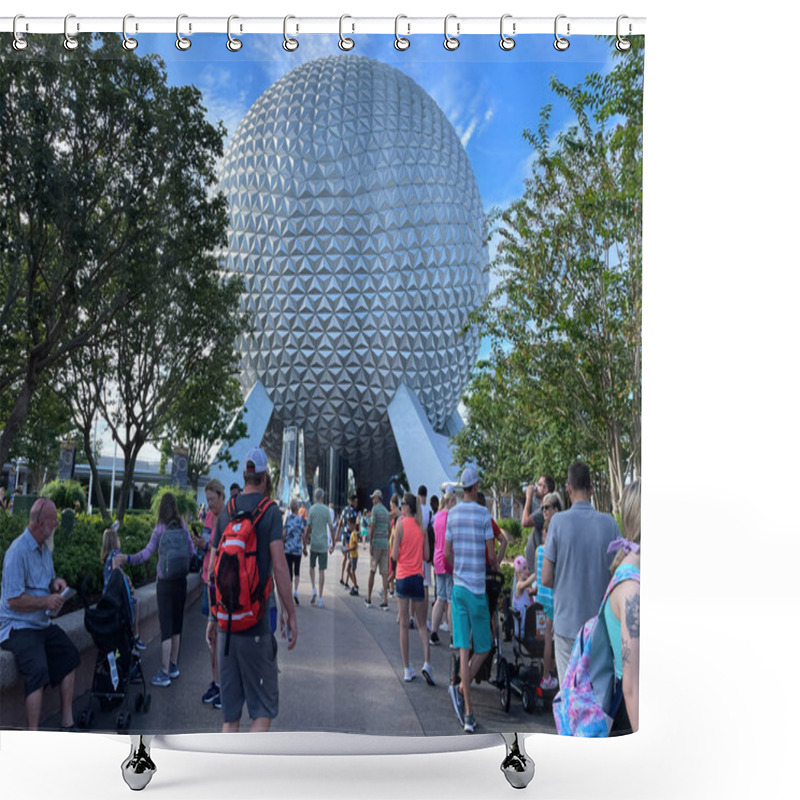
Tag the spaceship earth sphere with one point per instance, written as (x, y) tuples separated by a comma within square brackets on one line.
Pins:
[(357, 226)]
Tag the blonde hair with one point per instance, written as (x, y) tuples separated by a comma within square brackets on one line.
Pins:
[(216, 486), (110, 542), (630, 505)]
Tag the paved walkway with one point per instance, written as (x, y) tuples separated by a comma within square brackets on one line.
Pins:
[(345, 674)]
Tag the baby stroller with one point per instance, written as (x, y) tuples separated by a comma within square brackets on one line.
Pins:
[(524, 676), (118, 665)]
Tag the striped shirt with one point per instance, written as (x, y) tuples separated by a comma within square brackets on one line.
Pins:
[(469, 527)]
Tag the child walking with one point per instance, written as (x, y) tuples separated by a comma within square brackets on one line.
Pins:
[(352, 555)]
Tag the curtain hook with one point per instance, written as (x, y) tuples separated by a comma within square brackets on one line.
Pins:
[(506, 42), (20, 42), (289, 44), (345, 43), (623, 44), (181, 42), (561, 44), (400, 42), (128, 42), (233, 44), (70, 42), (450, 42)]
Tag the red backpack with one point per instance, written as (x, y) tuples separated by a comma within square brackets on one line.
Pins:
[(241, 598)]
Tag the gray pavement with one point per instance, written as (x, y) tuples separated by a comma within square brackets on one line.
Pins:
[(344, 675)]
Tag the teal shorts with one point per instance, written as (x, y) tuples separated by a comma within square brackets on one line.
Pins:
[(322, 558), (471, 617)]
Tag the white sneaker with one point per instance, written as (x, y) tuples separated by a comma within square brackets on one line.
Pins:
[(444, 627), (409, 674), (427, 672), (320, 604)]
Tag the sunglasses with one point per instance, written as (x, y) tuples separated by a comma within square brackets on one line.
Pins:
[(547, 508)]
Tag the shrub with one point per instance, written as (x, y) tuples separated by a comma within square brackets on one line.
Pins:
[(187, 507), (511, 526), (65, 494)]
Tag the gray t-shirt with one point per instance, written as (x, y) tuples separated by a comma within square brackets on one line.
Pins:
[(380, 520), (577, 543), (319, 518)]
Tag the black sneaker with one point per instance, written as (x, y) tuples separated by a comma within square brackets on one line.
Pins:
[(434, 638), (384, 606), (354, 592)]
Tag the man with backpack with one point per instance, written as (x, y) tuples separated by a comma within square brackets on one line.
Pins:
[(247, 551), (576, 563)]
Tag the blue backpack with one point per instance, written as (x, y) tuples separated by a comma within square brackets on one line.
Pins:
[(590, 695)]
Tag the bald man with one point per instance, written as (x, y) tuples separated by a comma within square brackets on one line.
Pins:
[(30, 595)]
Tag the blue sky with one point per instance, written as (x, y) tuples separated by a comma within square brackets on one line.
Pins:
[(488, 95)]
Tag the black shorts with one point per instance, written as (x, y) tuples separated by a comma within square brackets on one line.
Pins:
[(46, 655), (171, 597), (293, 561)]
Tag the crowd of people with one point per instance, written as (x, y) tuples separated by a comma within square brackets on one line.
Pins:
[(437, 560)]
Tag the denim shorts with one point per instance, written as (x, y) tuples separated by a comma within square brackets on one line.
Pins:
[(444, 586), (410, 588)]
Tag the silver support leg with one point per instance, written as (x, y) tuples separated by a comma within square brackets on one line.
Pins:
[(518, 766), (138, 768)]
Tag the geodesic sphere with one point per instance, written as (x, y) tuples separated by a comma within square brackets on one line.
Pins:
[(356, 223)]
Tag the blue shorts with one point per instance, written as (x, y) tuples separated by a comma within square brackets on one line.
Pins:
[(444, 586), (410, 588), (471, 616)]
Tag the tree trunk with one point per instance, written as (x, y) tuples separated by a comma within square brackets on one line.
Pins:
[(98, 489), (17, 416)]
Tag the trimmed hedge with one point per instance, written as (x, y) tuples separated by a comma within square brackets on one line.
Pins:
[(77, 557), (65, 494)]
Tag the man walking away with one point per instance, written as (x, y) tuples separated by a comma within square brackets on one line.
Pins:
[(378, 549), (319, 535), (576, 563), (469, 545)]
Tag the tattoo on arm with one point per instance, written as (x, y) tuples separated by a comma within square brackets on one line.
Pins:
[(626, 651), (632, 615)]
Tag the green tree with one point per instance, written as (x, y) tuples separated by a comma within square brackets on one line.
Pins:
[(95, 158), (208, 418), (569, 259)]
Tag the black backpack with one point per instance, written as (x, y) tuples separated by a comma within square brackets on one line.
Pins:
[(173, 552), (431, 539)]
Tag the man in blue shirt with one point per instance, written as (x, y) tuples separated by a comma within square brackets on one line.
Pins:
[(29, 597)]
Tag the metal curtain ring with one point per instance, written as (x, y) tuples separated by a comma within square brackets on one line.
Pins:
[(70, 42), (20, 42), (561, 44), (345, 43), (233, 44), (400, 42), (289, 44), (450, 42), (506, 42), (128, 42), (181, 42), (623, 44)]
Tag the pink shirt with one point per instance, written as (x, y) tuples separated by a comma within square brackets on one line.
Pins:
[(440, 563)]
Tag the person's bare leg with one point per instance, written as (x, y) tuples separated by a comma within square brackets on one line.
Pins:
[(230, 727), (166, 646), (33, 708), (174, 648), (67, 690), (311, 573), (321, 582), (403, 611), (260, 725), (421, 612), (370, 585), (469, 668)]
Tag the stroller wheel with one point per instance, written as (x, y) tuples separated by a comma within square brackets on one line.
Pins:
[(528, 700), (123, 721), (505, 697), (455, 669), (146, 704), (502, 671), (139, 702)]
